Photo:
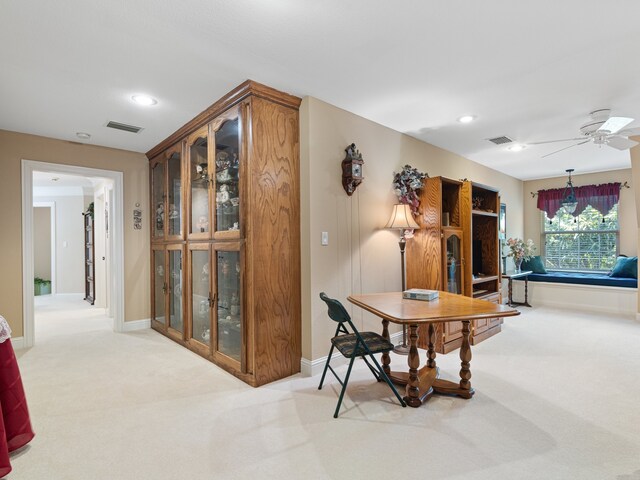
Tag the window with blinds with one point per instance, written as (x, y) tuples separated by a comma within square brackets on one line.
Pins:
[(588, 242)]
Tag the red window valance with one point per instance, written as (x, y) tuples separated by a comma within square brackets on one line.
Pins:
[(601, 197)]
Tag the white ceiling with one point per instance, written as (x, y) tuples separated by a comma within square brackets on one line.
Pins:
[(529, 70)]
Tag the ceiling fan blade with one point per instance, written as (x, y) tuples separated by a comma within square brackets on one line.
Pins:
[(629, 132), (554, 141), (613, 124), (621, 143), (565, 148)]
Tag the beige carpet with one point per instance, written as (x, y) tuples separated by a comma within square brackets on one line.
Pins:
[(557, 397)]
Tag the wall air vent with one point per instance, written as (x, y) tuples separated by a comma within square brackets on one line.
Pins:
[(500, 140), (124, 127)]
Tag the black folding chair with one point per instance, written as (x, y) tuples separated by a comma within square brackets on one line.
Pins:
[(354, 345)]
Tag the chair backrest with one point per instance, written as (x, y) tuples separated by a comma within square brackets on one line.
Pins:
[(337, 311)]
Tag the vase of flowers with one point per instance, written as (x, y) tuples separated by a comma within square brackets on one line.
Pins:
[(520, 250), (406, 184)]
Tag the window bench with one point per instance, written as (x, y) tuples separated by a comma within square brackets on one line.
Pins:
[(580, 291)]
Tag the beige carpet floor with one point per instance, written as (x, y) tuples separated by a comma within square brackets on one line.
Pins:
[(557, 397)]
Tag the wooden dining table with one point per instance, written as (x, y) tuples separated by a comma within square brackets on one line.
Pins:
[(423, 382)]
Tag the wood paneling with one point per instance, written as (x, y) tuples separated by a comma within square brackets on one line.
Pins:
[(275, 239)]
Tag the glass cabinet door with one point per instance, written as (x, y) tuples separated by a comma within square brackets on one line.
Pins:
[(200, 295), (173, 215), (453, 261), (229, 312), (227, 172), (199, 179), (159, 286), (176, 320), (157, 198)]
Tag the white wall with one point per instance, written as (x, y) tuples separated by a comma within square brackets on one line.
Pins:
[(69, 241), (42, 242)]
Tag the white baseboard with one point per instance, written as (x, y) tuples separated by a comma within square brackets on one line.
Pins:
[(596, 298), (136, 325), (311, 368), (17, 343)]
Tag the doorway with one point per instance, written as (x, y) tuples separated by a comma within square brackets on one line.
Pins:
[(107, 188)]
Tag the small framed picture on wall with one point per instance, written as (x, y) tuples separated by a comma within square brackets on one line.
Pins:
[(502, 222)]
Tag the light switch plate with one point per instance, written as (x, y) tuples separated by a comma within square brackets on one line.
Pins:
[(325, 238)]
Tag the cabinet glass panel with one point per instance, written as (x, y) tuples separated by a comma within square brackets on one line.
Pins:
[(157, 187), (227, 177), (454, 278), (228, 294), (175, 201), (175, 290), (200, 282), (199, 174), (159, 285)]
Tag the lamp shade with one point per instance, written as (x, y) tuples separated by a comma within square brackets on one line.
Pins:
[(401, 218)]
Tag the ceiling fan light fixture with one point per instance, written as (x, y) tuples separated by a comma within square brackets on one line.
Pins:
[(569, 202)]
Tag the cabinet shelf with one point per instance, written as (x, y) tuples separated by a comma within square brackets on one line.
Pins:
[(487, 278), (484, 214)]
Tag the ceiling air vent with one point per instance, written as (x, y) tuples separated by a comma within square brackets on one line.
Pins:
[(500, 140), (124, 127)]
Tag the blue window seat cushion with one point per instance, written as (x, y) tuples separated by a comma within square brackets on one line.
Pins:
[(583, 279)]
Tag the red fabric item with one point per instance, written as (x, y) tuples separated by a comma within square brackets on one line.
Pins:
[(601, 197), (15, 426)]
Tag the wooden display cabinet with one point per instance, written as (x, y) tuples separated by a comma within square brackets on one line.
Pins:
[(241, 236)]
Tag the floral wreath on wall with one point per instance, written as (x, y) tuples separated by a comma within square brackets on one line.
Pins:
[(406, 184)]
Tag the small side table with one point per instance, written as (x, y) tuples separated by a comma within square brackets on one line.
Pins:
[(510, 275)]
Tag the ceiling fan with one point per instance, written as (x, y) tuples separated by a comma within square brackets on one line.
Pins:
[(602, 129)]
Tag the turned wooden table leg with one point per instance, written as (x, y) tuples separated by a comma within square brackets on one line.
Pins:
[(465, 357), (431, 352), (526, 291), (413, 386), (386, 358)]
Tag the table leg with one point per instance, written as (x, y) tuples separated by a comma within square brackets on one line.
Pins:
[(526, 291), (431, 352), (413, 385), (465, 357), (386, 358), (510, 292)]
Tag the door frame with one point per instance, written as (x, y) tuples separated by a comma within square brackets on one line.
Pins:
[(116, 240)]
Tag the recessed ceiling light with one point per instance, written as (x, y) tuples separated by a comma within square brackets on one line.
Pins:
[(516, 148), (145, 100), (467, 118), (83, 135)]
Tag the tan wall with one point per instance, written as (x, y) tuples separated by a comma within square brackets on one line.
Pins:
[(361, 255), (626, 208), (15, 147)]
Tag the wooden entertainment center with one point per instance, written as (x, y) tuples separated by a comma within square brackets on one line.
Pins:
[(457, 250)]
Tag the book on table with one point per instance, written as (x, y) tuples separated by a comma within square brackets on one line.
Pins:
[(420, 294)]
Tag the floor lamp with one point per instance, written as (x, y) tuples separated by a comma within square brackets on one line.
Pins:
[(402, 219)]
